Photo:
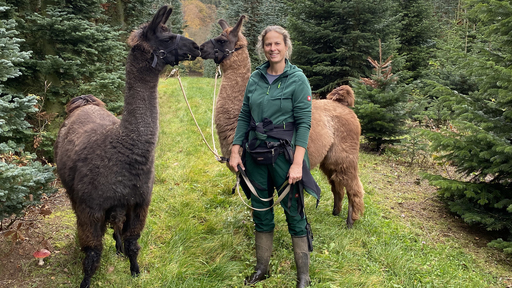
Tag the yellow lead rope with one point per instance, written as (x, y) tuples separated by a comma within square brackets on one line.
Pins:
[(253, 191), (217, 72), (214, 151), (193, 117)]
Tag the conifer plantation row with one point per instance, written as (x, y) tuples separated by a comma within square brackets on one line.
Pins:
[(432, 79)]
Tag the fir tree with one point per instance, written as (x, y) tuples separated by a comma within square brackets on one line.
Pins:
[(22, 179), (75, 51), (72, 55), (418, 32), (380, 104), (479, 144), (333, 39)]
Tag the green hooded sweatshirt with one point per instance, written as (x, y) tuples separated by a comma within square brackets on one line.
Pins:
[(287, 99)]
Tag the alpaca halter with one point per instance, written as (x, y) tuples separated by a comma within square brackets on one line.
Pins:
[(225, 55), (162, 53)]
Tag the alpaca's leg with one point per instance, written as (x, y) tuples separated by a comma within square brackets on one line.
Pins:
[(90, 235), (355, 194), (337, 190), (350, 218), (134, 224), (348, 181)]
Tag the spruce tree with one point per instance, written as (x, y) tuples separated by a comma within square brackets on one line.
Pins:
[(478, 142), (22, 179)]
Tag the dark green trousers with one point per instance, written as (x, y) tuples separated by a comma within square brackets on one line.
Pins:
[(271, 177)]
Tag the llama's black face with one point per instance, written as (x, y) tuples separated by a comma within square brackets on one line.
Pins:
[(171, 48), (218, 48), (222, 46)]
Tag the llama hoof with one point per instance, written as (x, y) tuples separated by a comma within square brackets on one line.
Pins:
[(350, 223), (86, 283), (335, 212), (135, 271)]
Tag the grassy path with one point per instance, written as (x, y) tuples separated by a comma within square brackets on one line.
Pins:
[(200, 235)]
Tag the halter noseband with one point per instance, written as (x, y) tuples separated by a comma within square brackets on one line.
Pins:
[(162, 53), (225, 55)]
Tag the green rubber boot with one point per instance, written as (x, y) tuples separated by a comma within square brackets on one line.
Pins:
[(263, 251), (301, 253)]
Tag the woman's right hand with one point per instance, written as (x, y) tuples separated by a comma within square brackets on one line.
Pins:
[(234, 159)]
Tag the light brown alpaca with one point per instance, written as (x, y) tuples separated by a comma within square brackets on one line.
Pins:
[(106, 164), (335, 129)]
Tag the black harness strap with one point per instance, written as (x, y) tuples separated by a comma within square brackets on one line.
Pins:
[(162, 53), (217, 49)]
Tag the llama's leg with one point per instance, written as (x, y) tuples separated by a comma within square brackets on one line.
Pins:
[(134, 224), (131, 248), (117, 220), (90, 264), (119, 243), (90, 235)]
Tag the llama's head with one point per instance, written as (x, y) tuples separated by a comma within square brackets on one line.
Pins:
[(222, 46), (160, 43)]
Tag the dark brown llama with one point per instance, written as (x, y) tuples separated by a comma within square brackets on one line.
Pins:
[(106, 164), (335, 129)]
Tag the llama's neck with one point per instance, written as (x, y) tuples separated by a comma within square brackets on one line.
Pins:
[(140, 117), (236, 72)]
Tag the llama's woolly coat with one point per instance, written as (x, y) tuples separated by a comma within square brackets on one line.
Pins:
[(106, 164)]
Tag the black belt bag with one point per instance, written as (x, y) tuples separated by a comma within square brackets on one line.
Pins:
[(266, 153)]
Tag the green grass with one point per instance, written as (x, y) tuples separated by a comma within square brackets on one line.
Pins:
[(200, 235)]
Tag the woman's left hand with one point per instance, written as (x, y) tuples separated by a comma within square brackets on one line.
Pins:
[(295, 173)]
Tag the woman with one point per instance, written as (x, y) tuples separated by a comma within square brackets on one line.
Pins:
[(276, 112)]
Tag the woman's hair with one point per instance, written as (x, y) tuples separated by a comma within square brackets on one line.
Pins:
[(280, 30)]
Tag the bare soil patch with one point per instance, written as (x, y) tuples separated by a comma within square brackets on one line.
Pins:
[(36, 230)]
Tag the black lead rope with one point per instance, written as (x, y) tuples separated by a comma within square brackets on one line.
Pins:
[(162, 53)]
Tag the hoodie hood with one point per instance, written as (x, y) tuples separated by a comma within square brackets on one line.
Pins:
[(289, 69), (283, 78)]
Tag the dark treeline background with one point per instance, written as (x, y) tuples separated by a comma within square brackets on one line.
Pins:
[(431, 78)]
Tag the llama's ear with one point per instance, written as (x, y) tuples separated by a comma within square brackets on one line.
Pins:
[(238, 26), (223, 24), (157, 19), (167, 15)]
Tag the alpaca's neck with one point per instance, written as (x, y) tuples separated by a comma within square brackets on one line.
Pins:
[(236, 72), (140, 117)]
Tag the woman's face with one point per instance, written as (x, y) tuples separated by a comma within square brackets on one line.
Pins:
[(274, 47)]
